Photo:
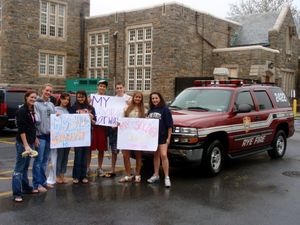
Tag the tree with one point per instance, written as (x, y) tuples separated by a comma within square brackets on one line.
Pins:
[(248, 7)]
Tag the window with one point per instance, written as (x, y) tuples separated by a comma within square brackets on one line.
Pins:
[(51, 65), (280, 98), (0, 15), (244, 98), (139, 60), (98, 54), (52, 19), (263, 99)]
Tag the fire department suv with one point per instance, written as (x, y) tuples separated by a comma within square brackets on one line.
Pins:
[(229, 119)]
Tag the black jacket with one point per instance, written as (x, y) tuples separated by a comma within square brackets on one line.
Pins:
[(26, 124)]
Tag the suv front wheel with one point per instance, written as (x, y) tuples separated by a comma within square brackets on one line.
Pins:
[(213, 158), (278, 145)]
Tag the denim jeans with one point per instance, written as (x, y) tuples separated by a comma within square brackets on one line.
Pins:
[(40, 163), (80, 162), (62, 160), (20, 183)]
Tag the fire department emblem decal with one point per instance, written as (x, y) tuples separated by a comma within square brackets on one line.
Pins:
[(247, 123)]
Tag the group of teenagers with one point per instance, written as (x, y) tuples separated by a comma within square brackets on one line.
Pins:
[(33, 140)]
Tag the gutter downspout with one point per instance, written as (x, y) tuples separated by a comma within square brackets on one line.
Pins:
[(82, 42)]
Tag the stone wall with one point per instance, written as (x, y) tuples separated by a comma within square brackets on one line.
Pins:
[(21, 43), (183, 40)]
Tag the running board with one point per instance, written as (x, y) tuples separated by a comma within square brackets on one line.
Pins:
[(248, 153)]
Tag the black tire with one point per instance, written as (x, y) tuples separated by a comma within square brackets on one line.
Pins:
[(213, 158), (278, 145)]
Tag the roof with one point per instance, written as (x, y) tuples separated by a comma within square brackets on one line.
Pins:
[(254, 29)]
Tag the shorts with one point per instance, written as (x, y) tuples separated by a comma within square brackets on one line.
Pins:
[(162, 140), (99, 138), (113, 136)]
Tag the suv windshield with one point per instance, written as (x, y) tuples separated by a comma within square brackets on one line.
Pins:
[(203, 99)]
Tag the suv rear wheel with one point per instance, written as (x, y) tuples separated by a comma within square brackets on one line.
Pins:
[(213, 158), (278, 145)]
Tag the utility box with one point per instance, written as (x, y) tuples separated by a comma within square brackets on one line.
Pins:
[(87, 84)]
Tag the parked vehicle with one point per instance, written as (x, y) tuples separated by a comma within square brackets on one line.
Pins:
[(10, 101), (228, 119)]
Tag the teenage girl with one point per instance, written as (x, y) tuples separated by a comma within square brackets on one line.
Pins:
[(25, 141), (135, 109), (159, 110), (63, 105), (82, 106)]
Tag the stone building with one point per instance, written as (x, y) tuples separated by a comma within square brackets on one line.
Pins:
[(40, 41), (153, 49), (149, 49)]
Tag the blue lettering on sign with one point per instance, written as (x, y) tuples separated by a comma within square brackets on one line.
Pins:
[(101, 100)]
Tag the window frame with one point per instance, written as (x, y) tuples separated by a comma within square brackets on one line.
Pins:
[(46, 16), (98, 65), (58, 66), (139, 57)]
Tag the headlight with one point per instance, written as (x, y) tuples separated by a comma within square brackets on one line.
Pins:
[(185, 130)]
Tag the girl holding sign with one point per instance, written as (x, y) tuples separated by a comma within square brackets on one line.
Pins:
[(63, 104), (159, 110), (135, 109), (82, 106)]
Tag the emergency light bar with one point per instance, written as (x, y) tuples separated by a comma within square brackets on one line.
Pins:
[(231, 83)]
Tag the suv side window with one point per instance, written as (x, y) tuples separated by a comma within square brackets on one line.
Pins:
[(280, 98), (245, 98), (263, 99)]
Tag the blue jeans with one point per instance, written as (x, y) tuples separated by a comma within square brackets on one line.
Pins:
[(20, 183), (62, 160), (40, 163), (80, 162)]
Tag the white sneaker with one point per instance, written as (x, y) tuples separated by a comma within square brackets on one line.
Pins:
[(153, 179), (167, 182)]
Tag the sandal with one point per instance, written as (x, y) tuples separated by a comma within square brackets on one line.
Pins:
[(126, 179), (137, 179), (110, 175), (18, 199), (85, 181)]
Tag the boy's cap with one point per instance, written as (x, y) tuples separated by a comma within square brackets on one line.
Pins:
[(103, 82)]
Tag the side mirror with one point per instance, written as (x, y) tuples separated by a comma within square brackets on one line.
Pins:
[(243, 108)]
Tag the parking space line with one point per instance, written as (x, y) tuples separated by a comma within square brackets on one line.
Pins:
[(7, 142)]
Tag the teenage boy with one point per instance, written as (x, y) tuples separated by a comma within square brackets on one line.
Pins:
[(99, 136), (113, 131)]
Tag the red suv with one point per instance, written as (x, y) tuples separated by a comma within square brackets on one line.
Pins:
[(229, 119)]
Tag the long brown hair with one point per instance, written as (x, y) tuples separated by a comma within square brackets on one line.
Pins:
[(140, 106), (162, 102), (64, 95)]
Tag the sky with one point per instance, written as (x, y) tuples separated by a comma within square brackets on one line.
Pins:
[(218, 8)]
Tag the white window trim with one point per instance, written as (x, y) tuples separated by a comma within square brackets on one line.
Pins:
[(135, 67), (47, 35), (55, 54), (102, 68)]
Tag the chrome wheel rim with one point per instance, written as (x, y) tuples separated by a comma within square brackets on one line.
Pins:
[(280, 144), (215, 159)]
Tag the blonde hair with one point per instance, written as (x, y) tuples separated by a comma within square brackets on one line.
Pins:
[(132, 105), (46, 85)]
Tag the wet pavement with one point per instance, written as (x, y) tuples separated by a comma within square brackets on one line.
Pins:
[(255, 190)]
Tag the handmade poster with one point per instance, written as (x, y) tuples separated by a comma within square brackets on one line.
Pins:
[(70, 130), (138, 134), (108, 109)]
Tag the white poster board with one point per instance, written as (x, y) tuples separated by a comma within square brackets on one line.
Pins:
[(108, 109), (70, 130), (138, 134)]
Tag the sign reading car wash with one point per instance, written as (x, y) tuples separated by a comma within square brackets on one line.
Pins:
[(138, 134), (70, 130), (108, 109)]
